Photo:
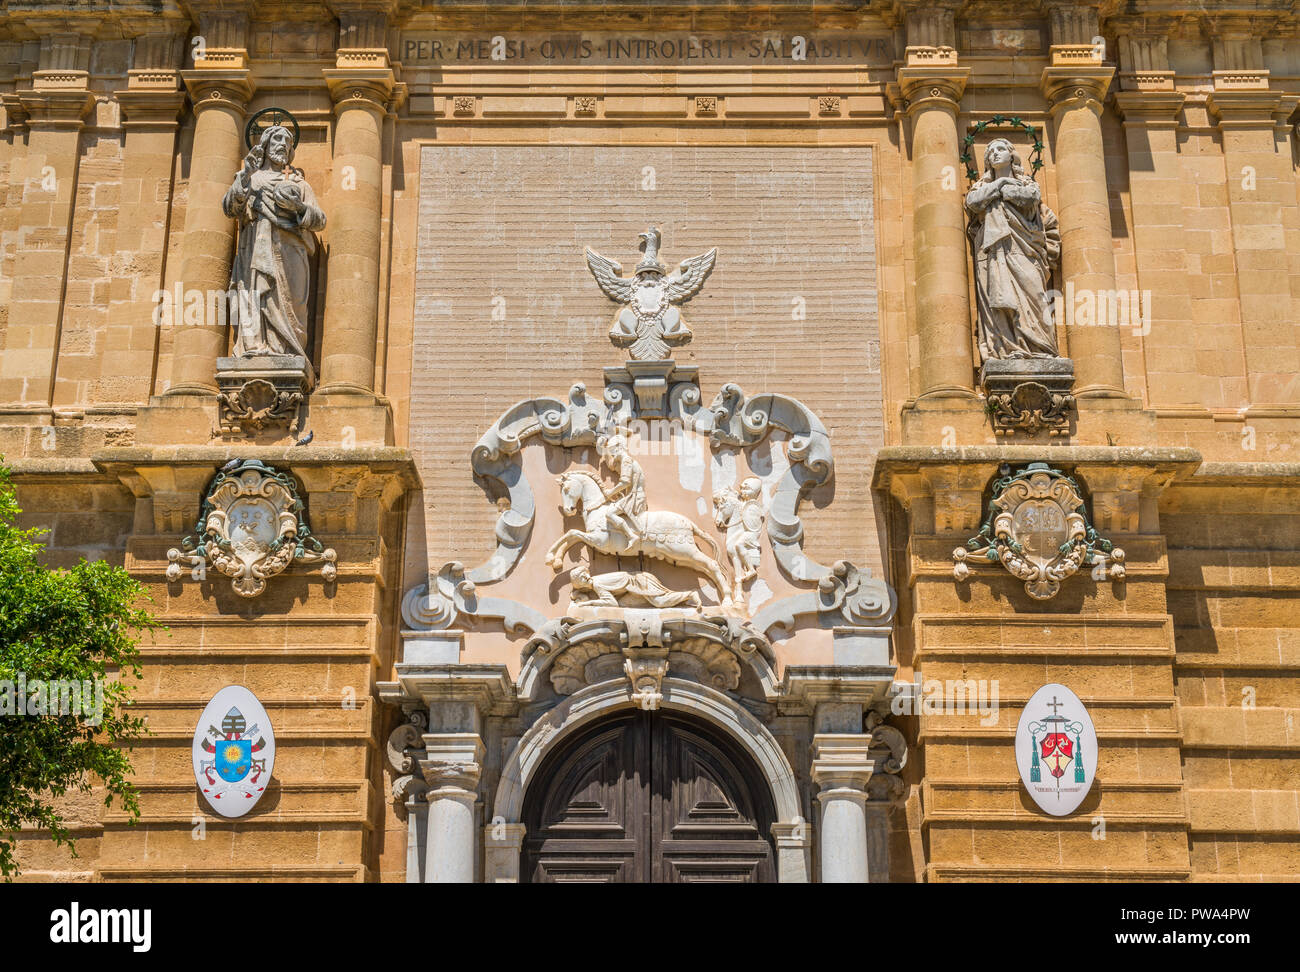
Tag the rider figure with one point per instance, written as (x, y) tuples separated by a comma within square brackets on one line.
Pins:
[(628, 497)]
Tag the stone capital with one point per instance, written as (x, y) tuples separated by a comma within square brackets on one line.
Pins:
[(932, 87), (842, 764), (1150, 108), (452, 761), (1076, 86), (150, 109), (1244, 108), (226, 89), (57, 109), (368, 88)]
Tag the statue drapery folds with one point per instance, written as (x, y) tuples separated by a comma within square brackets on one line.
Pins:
[(270, 279), (1016, 244)]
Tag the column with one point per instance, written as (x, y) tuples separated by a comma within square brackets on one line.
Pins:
[(452, 769), (56, 106), (352, 295), (931, 84), (1075, 85), (220, 96), (1252, 119), (842, 768), (150, 105)]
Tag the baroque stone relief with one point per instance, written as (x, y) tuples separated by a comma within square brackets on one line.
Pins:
[(1037, 528), (654, 511), (252, 526)]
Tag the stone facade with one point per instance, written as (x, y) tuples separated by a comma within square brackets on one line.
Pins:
[(420, 685)]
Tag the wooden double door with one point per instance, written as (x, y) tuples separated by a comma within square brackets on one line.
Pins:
[(648, 797)]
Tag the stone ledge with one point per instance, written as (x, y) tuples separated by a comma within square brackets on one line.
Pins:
[(1247, 473), (194, 455), (912, 457)]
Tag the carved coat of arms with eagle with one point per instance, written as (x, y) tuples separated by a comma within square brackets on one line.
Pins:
[(649, 323)]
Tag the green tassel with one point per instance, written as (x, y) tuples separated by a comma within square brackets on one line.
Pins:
[(1035, 774), (1078, 760)]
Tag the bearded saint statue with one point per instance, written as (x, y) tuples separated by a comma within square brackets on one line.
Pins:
[(270, 280), (1016, 243)]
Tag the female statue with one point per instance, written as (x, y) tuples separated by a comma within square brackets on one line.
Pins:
[(270, 280), (1016, 243)]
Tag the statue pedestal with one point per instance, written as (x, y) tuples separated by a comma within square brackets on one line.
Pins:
[(262, 392), (1029, 395)]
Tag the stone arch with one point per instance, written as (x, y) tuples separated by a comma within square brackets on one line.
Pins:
[(592, 703)]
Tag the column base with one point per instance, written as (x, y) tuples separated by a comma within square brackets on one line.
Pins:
[(180, 416), (349, 416)]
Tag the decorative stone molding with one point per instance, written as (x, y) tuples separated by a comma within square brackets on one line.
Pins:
[(1038, 529), (584, 106), (251, 526), (257, 393), (645, 646), (1029, 395), (706, 106)]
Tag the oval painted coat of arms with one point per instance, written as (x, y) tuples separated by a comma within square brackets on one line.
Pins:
[(1056, 750), (234, 751)]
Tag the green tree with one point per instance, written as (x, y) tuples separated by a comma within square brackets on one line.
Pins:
[(82, 625)]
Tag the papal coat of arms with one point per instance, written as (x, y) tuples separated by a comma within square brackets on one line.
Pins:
[(1056, 749), (649, 324), (233, 751), (1037, 528)]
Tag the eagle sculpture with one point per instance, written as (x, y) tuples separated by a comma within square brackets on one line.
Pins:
[(648, 322)]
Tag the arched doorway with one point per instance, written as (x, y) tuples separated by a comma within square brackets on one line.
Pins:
[(648, 797)]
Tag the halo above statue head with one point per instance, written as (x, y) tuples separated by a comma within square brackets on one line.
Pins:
[(1001, 121), (269, 118)]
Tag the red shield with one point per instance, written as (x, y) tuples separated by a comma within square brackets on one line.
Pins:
[(1058, 751)]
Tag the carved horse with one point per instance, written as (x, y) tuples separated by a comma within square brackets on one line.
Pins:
[(664, 535)]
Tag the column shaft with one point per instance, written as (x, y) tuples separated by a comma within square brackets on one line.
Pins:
[(208, 245), (844, 836), (943, 318), (450, 842), (352, 290), (1087, 254)]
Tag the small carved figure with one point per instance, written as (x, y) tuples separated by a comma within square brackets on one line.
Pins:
[(604, 589), (1016, 243), (628, 496), (270, 279), (740, 512), (648, 322)]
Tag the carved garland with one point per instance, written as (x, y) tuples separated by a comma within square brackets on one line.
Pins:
[(252, 525), (968, 144), (1037, 528)]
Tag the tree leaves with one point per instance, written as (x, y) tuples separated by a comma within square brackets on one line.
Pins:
[(78, 625)]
